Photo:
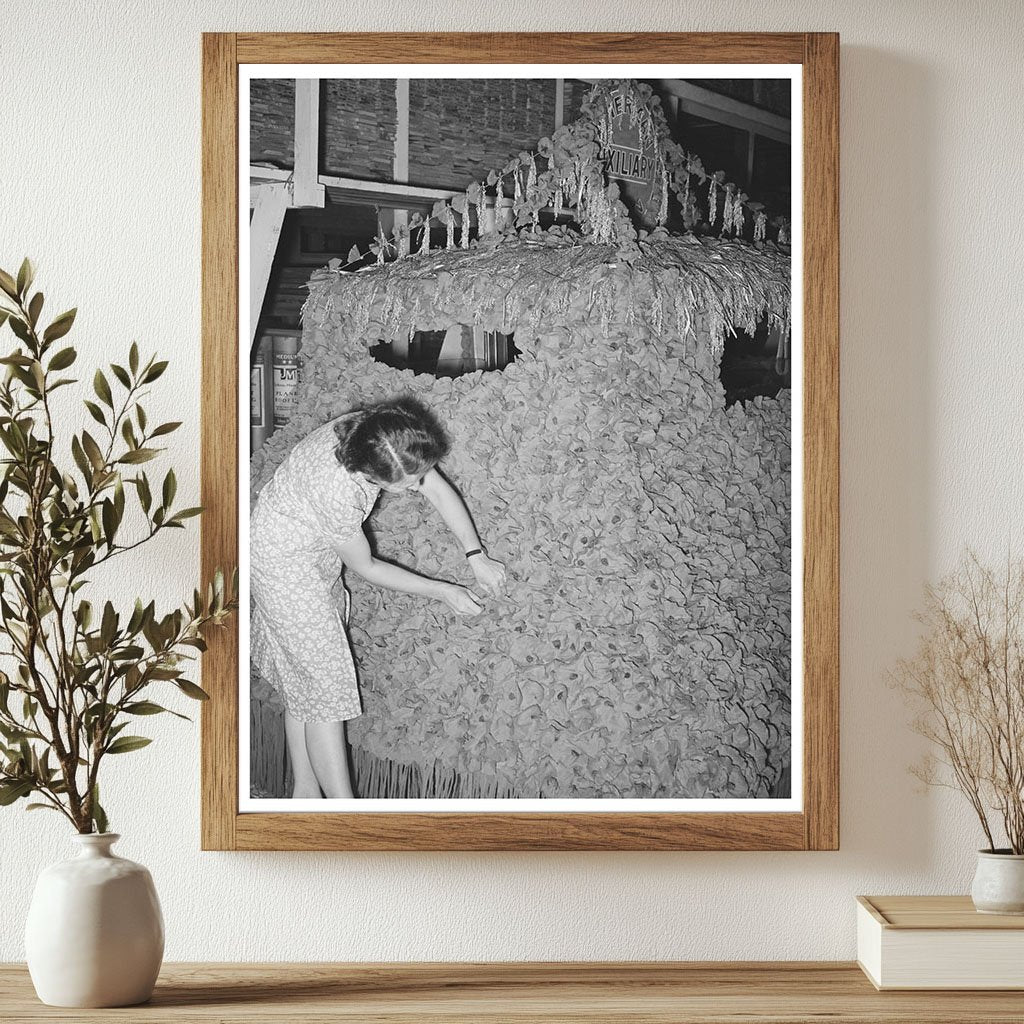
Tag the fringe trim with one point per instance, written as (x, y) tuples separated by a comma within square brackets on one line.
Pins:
[(270, 770), (380, 778)]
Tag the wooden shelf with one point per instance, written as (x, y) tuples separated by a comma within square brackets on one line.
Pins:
[(695, 993)]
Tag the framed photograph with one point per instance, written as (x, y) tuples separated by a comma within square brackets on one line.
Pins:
[(520, 420)]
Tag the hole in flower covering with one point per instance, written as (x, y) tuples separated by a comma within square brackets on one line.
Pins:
[(450, 353), (755, 363)]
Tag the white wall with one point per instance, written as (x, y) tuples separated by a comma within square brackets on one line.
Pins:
[(100, 183)]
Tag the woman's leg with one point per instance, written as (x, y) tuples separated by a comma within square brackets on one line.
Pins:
[(306, 786), (328, 754)]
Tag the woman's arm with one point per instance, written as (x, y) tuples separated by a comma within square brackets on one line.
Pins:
[(489, 573), (451, 507), (357, 556)]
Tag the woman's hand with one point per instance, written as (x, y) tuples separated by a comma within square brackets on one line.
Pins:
[(489, 573), (459, 599)]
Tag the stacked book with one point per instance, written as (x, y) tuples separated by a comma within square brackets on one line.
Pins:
[(938, 942)]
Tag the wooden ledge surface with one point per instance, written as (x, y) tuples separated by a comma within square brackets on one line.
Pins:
[(696, 993)]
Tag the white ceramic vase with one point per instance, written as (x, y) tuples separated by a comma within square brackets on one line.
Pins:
[(95, 933), (999, 883)]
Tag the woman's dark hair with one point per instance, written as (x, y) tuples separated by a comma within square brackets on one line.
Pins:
[(391, 440)]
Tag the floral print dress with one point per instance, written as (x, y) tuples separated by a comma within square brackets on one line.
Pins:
[(298, 642)]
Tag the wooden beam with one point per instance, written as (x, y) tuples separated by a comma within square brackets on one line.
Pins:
[(387, 193), (725, 110), (702, 102), (272, 201), (401, 161), (308, 190)]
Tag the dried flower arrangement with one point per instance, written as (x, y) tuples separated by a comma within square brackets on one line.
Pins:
[(567, 174), (967, 683)]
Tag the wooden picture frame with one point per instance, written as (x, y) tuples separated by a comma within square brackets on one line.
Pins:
[(816, 826)]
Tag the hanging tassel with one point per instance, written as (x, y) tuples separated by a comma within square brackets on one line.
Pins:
[(425, 238), (713, 201), (479, 218), (499, 199), (557, 202), (784, 233), (663, 210), (760, 221), (450, 225), (737, 217)]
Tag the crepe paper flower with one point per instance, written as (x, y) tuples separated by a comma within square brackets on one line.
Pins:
[(645, 526)]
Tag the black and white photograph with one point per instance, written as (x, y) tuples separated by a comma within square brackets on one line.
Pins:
[(524, 367)]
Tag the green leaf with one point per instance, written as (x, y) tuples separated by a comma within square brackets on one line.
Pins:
[(128, 433), (34, 308), (8, 285), (108, 626), (170, 487), (138, 455), (41, 807), (26, 274), (109, 518), (92, 449), (81, 461), (11, 791), (60, 326), (143, 707), (20, 328), (147, 707), (99, 816), (166, 428), (125, 744), (121, 374), (95, 412), (133, 358), (102, 388), (119, 499), (185, 513), (191, 690), (154, 372), (145, 497), (63, 359)]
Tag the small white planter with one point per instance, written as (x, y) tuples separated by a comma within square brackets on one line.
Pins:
[(999, 883), (95, 933)]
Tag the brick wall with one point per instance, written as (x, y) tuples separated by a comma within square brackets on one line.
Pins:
[(573, 92), (272, 121), (461, 128), (359, 119)]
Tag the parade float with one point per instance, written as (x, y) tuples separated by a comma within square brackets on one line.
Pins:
[(642, 648)]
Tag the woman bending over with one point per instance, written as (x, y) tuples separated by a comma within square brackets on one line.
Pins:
[(306, 526)]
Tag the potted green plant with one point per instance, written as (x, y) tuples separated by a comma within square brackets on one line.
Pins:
[(83, 672), (967, 682)]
